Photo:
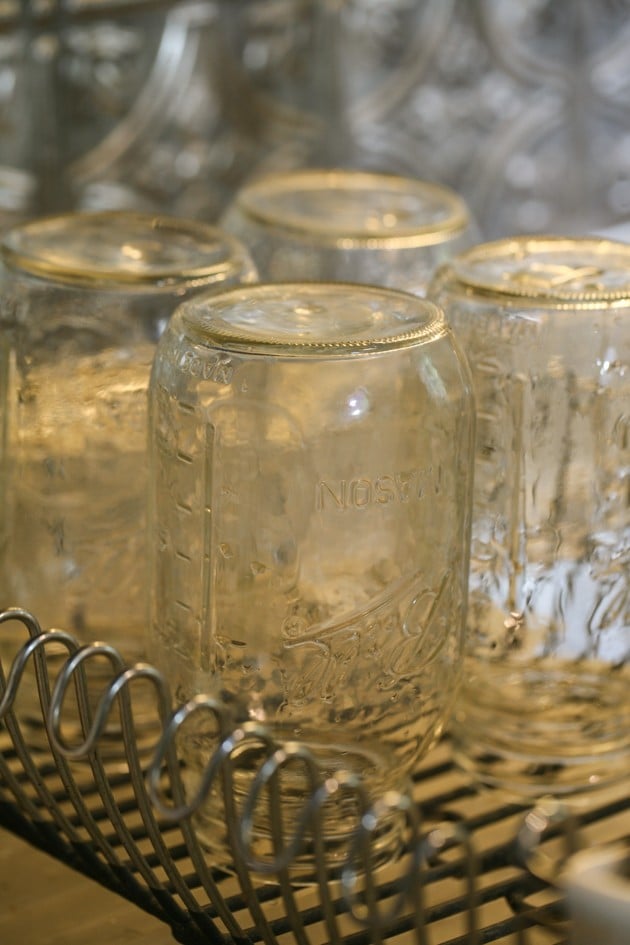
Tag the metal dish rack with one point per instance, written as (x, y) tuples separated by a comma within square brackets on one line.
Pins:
[(476, 867)]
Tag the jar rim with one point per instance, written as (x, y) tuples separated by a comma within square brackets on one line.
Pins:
[(337, 318), (261, 200), (554, 269), (123, 249)]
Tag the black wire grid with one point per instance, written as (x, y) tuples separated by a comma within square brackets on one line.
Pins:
[(475, 867)]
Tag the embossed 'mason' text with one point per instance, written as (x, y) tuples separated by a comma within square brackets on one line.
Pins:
[(363, 492)]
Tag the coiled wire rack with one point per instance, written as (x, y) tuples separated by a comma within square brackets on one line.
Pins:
[(475, 867)]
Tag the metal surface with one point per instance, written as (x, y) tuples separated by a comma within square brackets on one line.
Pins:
[(461, 878)]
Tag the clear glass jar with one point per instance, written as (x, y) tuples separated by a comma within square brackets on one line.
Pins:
[(349, 226), (311, 450), (84, 299), (544, 321)]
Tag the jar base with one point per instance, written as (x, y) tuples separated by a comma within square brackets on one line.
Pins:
[(539, 733), (287, 834)]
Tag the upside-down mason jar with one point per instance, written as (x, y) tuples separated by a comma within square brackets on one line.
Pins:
[(349, 226), (311, 481), (84, 298), (545, 323)]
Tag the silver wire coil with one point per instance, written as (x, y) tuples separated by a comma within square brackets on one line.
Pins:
[(127, 820)]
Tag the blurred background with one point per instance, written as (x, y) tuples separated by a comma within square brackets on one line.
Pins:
[(523, 106)]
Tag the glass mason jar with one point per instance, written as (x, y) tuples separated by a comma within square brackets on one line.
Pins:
[(349, 226), (84, 299), (545, 706), (311, 452)]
